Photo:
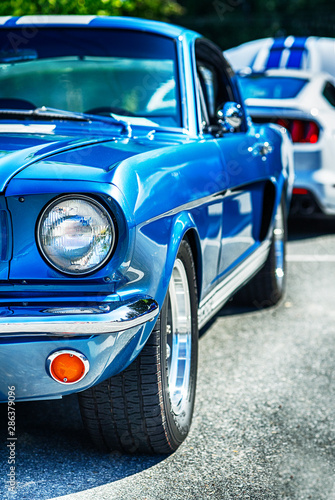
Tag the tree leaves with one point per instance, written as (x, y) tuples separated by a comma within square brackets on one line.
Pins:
[(150, 9)]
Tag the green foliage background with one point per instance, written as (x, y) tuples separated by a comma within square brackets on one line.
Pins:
[(227, 22), (230, 22), (151, 9)]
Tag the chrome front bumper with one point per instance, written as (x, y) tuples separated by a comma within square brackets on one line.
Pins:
[(78, 320)]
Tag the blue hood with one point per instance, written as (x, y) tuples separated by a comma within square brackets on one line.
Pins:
[(18, 151)]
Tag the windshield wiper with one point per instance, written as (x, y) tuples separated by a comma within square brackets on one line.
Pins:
[(45, 113), (18, 55)]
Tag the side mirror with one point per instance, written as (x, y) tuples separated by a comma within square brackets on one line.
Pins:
[(230, 116)]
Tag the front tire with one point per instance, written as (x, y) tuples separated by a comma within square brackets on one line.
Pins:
[(148, 407)]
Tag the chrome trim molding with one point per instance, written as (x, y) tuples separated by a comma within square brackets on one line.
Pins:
[(81, 356), (214, 197), (88, 200), (104, 318), (216, 299)]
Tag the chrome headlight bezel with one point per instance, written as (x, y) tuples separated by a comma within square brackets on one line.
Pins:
[(88, 199)]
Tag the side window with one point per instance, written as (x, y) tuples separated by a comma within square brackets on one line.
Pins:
[(204, 118), (209, 85), (329, 93), (213, 82)]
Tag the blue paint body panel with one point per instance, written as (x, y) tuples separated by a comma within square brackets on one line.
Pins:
[(160, 184)]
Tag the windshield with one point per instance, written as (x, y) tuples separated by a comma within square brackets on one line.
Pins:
[(271, 87), (95, 71)]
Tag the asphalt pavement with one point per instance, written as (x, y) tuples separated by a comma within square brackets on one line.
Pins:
[(264, 419)]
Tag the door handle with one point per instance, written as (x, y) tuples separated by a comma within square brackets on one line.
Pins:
[(261, 149)]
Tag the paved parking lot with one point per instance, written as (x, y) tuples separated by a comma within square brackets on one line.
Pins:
[(264, 421)]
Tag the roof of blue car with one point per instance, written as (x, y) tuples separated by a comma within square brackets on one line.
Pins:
[(130, 23)]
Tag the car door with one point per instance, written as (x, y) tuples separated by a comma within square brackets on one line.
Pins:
[(243, 155)]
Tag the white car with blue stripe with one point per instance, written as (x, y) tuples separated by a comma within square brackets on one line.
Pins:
[(312, 53), (290, 81)]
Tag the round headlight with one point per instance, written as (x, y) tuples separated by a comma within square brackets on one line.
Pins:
[(76, 235)]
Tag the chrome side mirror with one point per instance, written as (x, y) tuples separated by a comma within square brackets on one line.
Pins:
[(230, 116)]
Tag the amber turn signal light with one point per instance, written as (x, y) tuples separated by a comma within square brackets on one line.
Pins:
[(67, 366)]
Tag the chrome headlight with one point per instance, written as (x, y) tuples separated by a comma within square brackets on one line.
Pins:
[(76, 235)]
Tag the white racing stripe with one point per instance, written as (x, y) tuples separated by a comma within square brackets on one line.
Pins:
[(310, 258), (20, 128), (55, 19), (4, 19)]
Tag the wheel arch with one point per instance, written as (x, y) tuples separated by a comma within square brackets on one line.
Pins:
[(194, 241), (269, 199), (273, 194), (185, 228)]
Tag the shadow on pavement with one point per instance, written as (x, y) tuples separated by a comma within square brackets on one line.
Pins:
[(231, 308), (54, 456)]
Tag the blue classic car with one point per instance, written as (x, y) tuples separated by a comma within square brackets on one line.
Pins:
[(137, 197)]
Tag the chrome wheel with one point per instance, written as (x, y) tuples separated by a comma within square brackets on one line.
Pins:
[(179, 338)]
